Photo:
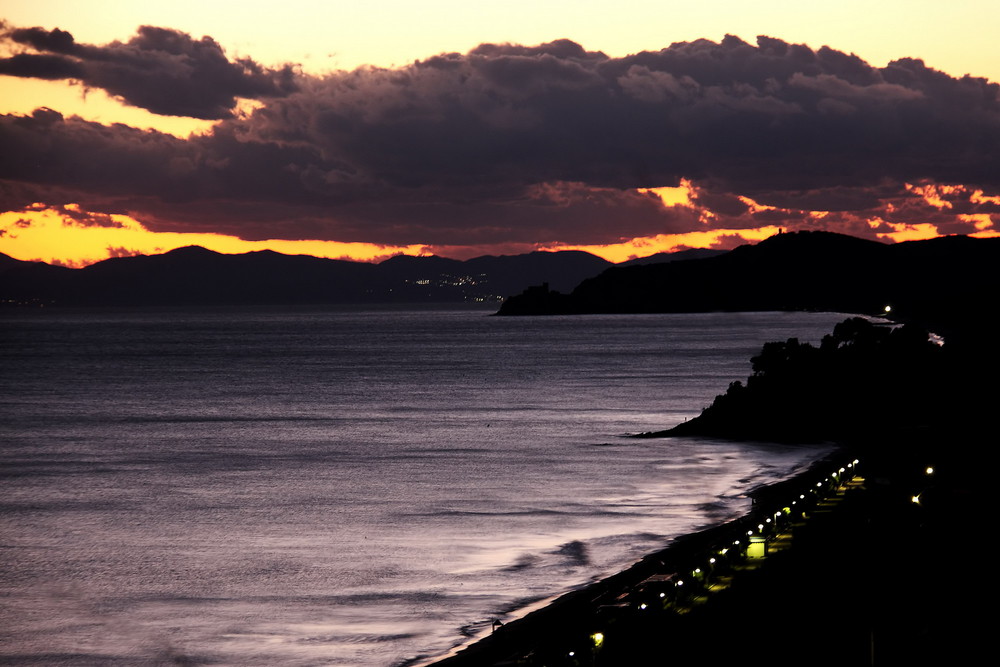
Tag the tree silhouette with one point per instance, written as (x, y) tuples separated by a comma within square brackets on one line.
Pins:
[(863, 379)]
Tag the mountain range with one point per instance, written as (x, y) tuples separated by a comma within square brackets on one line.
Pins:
[(196, 276), (947, 282)]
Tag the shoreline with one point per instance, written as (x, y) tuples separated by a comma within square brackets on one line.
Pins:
[(558, 620), (880, 572)]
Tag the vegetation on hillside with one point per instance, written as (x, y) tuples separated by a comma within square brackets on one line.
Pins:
[(862, 380)]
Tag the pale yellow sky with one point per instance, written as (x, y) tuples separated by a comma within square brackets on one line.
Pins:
[(957, 37)]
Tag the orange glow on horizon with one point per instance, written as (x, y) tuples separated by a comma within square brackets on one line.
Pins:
[(906, 232), (981, 221), (76, 238), (673, 196), (755, 207), (933, 193), (925, 230), (56, 238), (644, 247), (978, 197)]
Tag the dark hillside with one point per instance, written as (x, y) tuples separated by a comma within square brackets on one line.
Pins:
[(935, 282)]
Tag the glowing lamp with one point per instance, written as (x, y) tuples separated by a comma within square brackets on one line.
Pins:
[(598, 639), (929, 471), (757, 548), (915, 500)]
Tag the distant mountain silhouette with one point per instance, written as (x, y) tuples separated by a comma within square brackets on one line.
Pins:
[(196, 276), (949, 281)]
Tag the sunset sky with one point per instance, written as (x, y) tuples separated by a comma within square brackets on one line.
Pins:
[(460, 128)]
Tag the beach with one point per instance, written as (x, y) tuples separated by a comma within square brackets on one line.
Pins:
[(875, 571)]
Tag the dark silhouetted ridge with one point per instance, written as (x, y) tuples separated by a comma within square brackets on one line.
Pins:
[(943, 283), (196, 276)]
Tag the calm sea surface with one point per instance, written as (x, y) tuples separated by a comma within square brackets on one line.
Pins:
[(345, 487)]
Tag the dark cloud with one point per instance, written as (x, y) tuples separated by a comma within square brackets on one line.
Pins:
[(72, 215), (165, 71), (774, 117), (513, 144)]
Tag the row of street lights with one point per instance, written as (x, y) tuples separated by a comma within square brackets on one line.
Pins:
[(663, 592)]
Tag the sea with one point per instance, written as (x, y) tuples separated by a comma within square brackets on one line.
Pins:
[(347, 486)]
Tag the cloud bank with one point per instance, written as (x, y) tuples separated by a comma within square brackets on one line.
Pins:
[(511, 144)]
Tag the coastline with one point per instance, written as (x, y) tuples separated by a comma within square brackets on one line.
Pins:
[(875, 573), (880, 571), (565, 624)]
